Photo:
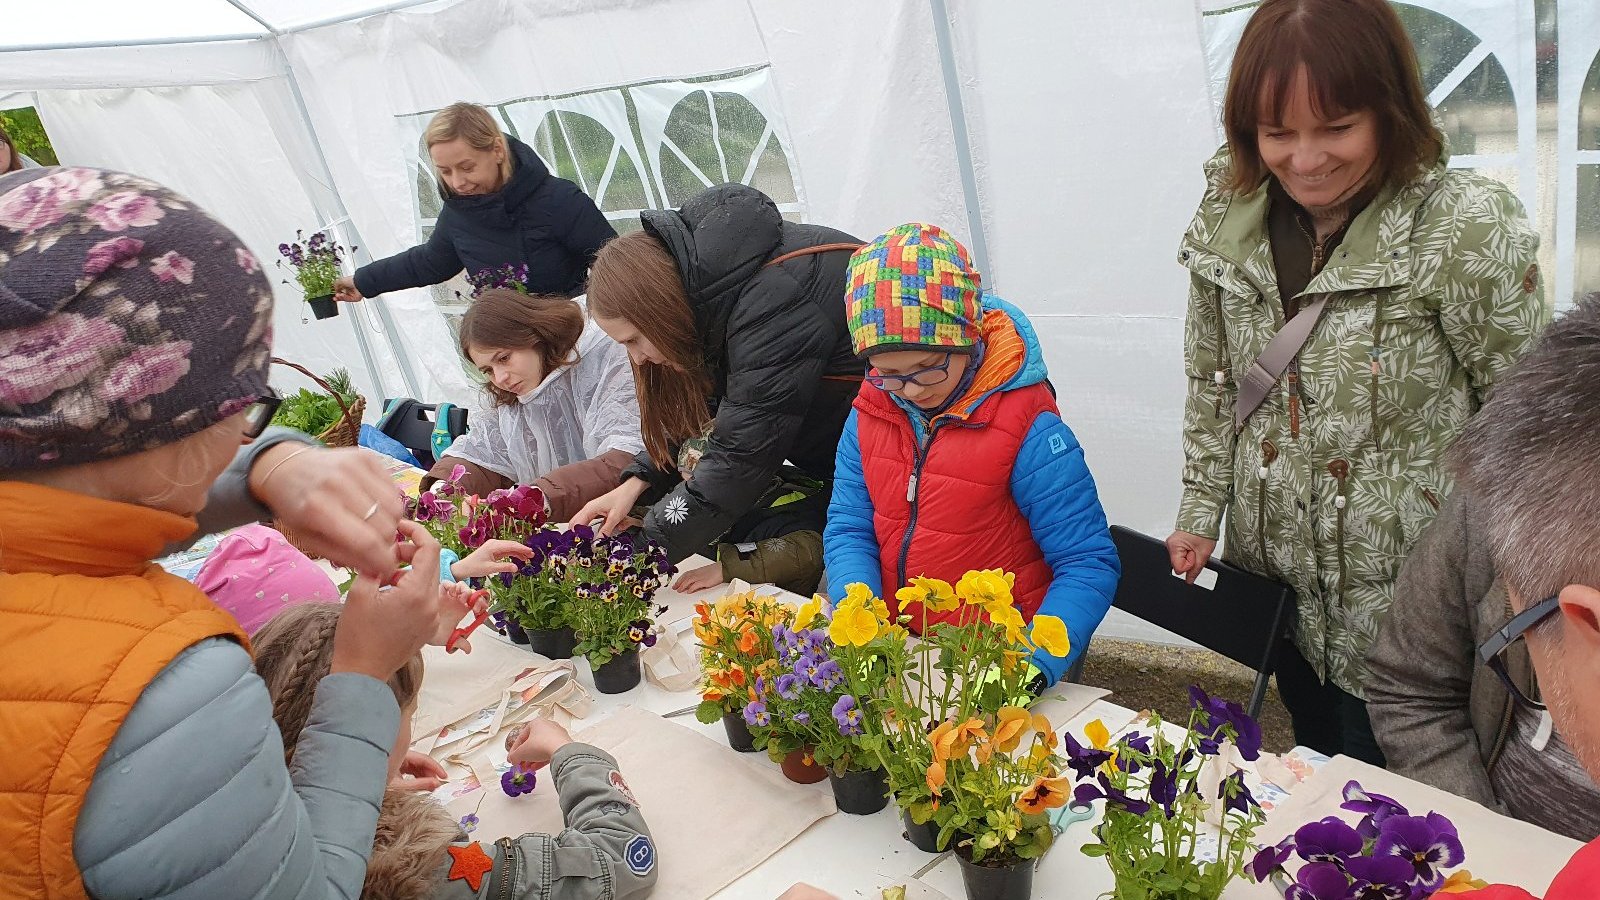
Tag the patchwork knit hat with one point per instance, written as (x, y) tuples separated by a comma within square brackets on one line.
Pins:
[(129, 318), (912, 288)]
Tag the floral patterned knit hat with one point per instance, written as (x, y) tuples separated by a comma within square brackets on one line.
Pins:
[(129, 318)]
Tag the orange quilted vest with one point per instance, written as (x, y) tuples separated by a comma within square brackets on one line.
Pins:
[(86, 621)]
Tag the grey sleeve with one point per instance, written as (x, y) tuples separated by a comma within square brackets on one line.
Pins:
[(1419, 683), (229, 503), (193, 801), (605, 853)]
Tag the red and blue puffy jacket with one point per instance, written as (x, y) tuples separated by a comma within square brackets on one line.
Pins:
[(996, 482)]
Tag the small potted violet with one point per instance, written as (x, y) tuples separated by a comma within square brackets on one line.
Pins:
[(316, 266)]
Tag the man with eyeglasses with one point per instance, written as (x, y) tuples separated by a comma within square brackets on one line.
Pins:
[(1529, 460), (1443, 718)]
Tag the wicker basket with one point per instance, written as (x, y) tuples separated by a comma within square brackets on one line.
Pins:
[(346, 432)]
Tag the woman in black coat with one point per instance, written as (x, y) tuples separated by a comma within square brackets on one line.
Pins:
[(501, 207), (734, 320)]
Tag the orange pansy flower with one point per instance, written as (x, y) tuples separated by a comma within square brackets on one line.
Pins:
[(1045, 793)]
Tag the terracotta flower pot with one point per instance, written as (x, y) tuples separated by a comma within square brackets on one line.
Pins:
[(799, 771), (619, 675), (554, 643), (860, 793), (324, 307), (1013, 881), (739, 736)]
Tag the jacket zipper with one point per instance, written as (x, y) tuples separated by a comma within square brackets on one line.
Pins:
[(1376, 354), (1269, 453), (1340, 470), (509, 862), (919, 456)]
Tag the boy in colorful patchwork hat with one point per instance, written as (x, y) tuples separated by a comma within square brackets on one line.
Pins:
[(955, 457)]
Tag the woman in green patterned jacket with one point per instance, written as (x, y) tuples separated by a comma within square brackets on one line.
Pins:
[(1334, 187)]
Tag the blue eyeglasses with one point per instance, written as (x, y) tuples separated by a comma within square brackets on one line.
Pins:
[(927, 377)]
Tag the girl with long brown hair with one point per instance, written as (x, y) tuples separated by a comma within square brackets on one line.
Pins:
[(559, 409), (501, 207), (735, 322)]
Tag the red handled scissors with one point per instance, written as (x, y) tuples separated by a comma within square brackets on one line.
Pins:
[(462, 632)]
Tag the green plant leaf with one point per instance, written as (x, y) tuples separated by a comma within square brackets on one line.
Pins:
[(709, 712)]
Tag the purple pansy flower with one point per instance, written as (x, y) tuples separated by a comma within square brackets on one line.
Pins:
[(1083, 760), (829, 675), (517, 780), (1270, 859), (1427, 844), (755, 713), (848, 715), (1100, 788), (1329, 840), (1379, 878), (1374, 808), (1163, 787), (1235, 796), (469, 822), (789, 686), (1319, 881), (801, 718)]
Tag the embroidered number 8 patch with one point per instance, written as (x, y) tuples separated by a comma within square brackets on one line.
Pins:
[(640, 855)]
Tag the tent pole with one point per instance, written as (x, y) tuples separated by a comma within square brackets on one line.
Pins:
[(958, 129), (391, 333)]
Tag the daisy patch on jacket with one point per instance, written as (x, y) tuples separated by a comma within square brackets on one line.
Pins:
[(675, 510)]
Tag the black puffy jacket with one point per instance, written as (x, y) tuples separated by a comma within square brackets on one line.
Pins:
[(536, 218), (772, 335)]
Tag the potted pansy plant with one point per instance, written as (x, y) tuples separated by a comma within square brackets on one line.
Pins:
[(509, 277), (736, 647), (1161, 792), (1388, 855), (613, 582), (316, 266)]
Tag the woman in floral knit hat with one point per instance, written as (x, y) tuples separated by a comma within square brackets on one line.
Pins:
[(140, 756), (955, 456)]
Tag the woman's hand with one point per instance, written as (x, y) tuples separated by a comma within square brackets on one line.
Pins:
[(1190, 553), (419, 772), (491, 559), (699, 579), (533, 743), (340, 503), (378, 632), (613, 506), (344, 289)]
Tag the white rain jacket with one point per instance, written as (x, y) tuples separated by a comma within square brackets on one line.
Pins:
[(578, 412)]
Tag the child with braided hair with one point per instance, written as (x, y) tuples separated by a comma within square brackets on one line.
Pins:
[(421, 852)]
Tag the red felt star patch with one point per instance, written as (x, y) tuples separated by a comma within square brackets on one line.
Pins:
[(470, 863)]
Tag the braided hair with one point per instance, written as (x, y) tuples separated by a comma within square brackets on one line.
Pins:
[(295, 650)]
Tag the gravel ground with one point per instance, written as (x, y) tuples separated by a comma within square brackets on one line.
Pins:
[(1157, 677)]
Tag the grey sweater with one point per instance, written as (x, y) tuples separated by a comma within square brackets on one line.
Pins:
[(193, 800)]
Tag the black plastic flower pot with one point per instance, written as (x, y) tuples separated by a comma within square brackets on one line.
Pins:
[(739, 736), (860, 793), (619, 675), (924, 837), (554, 643), (1013, 881), (515, 633), (324, 307)]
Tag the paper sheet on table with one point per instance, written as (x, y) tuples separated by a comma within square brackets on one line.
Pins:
[(1499, 850), (714, 814)]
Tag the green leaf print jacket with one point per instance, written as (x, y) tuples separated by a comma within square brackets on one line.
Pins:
[(1434, 292)]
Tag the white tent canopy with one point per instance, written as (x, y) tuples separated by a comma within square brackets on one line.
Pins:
[(1062, 141)]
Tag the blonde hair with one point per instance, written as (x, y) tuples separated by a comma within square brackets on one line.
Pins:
[(471, 123)]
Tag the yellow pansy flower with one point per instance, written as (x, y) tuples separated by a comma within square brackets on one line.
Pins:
[(1461, 882), (934, 595), (809, 611), (1008, 616), (989, 588), (1050, 635), (852, 626)]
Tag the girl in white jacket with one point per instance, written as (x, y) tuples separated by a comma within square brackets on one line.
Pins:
[(559, 411)]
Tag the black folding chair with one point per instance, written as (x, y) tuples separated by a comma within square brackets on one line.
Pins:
[(1242, 616)]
